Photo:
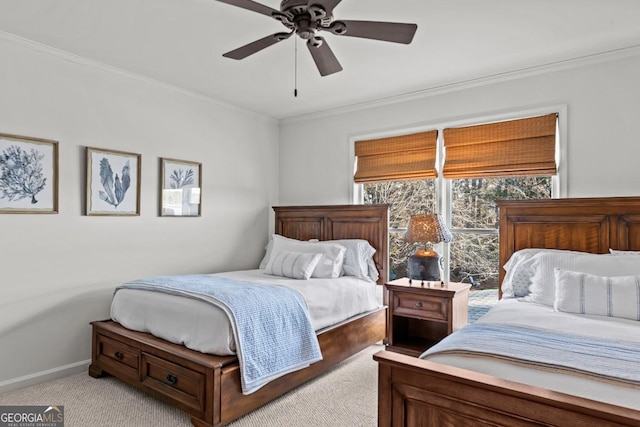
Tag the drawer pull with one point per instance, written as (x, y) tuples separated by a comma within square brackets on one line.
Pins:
[(418, 305), (119, 355), (172, 380)]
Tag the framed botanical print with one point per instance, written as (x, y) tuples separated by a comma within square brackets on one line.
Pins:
[(113, 182), (180, 188), (28, 175)]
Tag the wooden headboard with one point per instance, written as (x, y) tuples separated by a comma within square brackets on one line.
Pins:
[(369, 222), (584, 224)]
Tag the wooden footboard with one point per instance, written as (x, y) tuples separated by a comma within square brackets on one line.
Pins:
[(418, 393), (205, 386)]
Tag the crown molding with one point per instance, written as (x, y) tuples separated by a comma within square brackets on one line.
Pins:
[(577, 62), (611, 55), (81, 60)]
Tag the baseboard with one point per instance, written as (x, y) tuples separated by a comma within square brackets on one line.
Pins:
[(44, 376)]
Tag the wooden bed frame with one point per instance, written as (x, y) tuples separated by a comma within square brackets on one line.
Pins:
[(418, 393), (207, 387)]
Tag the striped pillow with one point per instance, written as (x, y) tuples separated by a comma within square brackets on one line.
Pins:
[(295, 265), (584, 293)]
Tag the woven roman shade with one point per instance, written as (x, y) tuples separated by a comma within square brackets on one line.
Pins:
[(525, 147), (397, 158)]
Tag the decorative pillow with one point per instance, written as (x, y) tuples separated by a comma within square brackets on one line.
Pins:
[(543, 289), (356, 257), (519, 271), (295, 265), (584, 293), (617, 252), (330, 264)]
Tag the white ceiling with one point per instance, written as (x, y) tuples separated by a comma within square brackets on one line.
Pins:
[(181, 42)]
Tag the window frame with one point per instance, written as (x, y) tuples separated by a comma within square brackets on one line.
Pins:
[(443, 186)]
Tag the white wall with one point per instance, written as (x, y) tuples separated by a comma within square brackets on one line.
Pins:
[(58, 272), (602, 102)]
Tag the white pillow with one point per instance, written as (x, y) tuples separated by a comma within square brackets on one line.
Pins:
[(295, 265), (543, 289), (356, 257), (519, 271), (617, 252), (267, 255), (330, 264), (585, 293), (374, 274)]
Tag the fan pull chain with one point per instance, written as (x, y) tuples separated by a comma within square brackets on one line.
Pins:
[(295, 68)]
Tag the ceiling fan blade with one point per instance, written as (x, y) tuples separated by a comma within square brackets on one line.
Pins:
[(256, 46), (323, 56), (251, 5), (386, 31)]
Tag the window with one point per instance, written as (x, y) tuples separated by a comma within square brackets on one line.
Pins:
[(406, 198), (474, 221), (503, 160)]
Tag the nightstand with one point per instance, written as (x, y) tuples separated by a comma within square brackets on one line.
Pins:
[(421, 315)]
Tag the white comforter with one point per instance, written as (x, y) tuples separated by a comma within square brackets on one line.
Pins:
[(200, 326), (514, 312)]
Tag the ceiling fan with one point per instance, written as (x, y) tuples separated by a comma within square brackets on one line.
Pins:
[(306, 18)]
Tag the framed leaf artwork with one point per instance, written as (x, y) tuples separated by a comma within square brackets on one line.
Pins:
[(180, 192), (113, 182), (28, 175)]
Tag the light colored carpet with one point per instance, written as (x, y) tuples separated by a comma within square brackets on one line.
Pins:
[(344, 396)]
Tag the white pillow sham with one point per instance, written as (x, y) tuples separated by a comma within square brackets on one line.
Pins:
[(356, 258), (295, 265), (267, 255), (584, 293), (374, 274), (543, 289), (330, 264), (519, 271)]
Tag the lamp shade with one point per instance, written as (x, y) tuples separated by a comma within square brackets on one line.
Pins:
[(427, 228)]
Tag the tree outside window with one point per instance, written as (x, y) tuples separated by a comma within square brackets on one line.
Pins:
[(473, 254)]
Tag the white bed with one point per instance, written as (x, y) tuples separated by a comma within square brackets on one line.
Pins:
[(527, 314), (203, 327), (559, 349), (209, 386)]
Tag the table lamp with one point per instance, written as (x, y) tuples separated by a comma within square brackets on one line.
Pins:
[(425, 264)]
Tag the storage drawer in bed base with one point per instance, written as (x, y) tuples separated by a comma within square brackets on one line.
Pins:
[(117, 357), (180, 384), (182, 378), (205, 386)]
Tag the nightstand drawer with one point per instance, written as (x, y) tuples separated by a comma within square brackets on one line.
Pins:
[(420, 306)]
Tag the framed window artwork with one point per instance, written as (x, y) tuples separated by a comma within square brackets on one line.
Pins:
[(113, 182), (180, 188), (28, 175)]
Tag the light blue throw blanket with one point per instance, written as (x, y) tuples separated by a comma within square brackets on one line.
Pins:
[(271, 324), (609, 359)]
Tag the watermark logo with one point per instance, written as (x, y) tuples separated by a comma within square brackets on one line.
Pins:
[(31, 416)]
